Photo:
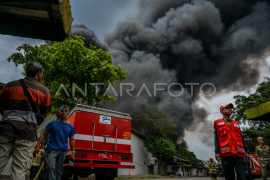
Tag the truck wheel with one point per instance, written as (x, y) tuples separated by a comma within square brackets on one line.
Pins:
[(75, 177), (83, 172), (105, 173)]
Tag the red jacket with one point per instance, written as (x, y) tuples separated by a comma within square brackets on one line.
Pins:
[(230, 138)]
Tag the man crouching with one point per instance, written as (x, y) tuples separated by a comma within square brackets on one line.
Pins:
[(57, 146)]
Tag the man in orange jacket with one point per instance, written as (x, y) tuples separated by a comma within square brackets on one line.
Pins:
[(229, 145)]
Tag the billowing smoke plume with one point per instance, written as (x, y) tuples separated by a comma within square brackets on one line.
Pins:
[(91, 38), (220, 41), (89, 34)]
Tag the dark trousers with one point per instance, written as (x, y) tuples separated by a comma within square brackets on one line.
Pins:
[(213, 176), (233, 164), (54, 161), (33, 171), (249, 171)]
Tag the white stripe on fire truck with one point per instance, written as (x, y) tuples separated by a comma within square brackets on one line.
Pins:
[(256, 161), (101, 139)]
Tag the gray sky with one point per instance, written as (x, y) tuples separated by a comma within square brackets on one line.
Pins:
[(8, 45), (102, 16)]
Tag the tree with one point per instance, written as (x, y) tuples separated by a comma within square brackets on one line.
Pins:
[(193, 159), (70, 66), (250, 135), (160, 148), (183, 153), (242, 102), (151, 121), (256, 128)]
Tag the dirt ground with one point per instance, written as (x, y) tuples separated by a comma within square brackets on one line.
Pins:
[(7, 177), (180, 178)]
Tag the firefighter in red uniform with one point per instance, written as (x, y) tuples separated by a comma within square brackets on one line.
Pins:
[(229, 145)]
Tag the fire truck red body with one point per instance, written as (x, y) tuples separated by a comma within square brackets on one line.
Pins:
[(102, 140), (255, 166)]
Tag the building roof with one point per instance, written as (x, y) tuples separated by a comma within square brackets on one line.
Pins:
[(40, 19), (178, 161), (259, 111), (137, 133), (174, 163)]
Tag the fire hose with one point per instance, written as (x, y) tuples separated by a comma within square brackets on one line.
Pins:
[(39, 171)]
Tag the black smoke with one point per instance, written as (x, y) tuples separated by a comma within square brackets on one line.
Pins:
[(222, 42), (219, 41), (91, 37), (89, 34)]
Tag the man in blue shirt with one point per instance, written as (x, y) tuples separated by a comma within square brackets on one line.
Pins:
[(57, 146)]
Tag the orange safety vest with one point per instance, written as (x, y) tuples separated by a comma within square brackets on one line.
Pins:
[(230, 138)]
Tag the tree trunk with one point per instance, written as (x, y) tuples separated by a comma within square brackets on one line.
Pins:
[(159, 166)]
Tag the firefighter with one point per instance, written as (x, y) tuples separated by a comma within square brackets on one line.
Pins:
[(229, 145), (262, 151), (213, 168), (36, 161)]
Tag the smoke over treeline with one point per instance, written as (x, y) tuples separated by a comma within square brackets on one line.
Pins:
[(219, 41)]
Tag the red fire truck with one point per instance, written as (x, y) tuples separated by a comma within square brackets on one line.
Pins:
[(255, 166), (102, 143)]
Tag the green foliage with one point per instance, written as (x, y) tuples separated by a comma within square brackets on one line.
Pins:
[(250, 134), (183, 153), (159, 147), (150, 120), (256, 128), (71, 62), (242, 102), (193, 158)]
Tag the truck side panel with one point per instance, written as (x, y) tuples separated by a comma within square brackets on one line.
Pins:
[(88, 127), (256, 169)]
